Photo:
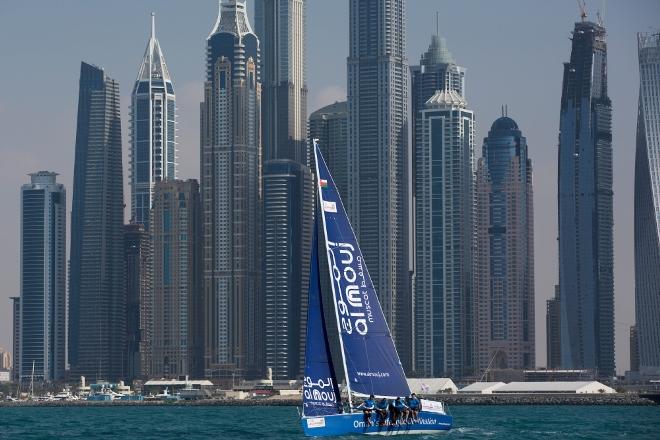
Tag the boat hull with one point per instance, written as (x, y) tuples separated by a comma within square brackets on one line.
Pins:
[(353, 424)]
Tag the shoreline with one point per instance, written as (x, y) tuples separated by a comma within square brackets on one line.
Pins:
[(628, 399)]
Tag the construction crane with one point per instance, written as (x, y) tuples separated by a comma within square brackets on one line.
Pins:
[(583, 9)]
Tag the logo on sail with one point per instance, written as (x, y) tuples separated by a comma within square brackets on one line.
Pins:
[(352, 295), (319, 392)]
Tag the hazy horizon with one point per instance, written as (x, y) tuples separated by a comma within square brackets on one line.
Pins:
[(513, 51)]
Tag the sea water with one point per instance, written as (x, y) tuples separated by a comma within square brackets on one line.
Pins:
[(237, 423)]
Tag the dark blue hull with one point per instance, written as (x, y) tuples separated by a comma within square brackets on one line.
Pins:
[(351, 424)]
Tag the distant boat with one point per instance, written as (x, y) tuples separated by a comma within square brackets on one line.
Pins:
[(371, 363)]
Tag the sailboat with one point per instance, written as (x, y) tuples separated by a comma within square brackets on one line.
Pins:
[(370, 361)]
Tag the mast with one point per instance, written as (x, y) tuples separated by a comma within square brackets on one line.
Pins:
[(334, 304)]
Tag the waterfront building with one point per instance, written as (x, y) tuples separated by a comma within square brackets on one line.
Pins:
[(153, 129), (647, 206), (231, 196), (586, 276), (634, 349), (97, 299), (16, 337), (288, 206), (378, 188), (552, 331), (444, 210), (504, 251), (177, 332), (288, 202), (5, 359), (329, 125), (43, 278), (137, 260)]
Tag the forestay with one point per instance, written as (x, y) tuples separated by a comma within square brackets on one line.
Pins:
[(371, 362)]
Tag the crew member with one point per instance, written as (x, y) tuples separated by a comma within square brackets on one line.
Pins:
[(381, 411), (367, 408), (400, 410), (415, 406)]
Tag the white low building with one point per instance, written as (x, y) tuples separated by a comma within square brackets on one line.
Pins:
[(588, 387), (481, 388), (437, 385)]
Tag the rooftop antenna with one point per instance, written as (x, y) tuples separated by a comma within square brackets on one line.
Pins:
[(437, 23), (583, 9), (153, 25), (502, 110)]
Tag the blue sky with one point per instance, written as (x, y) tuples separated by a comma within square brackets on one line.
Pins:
[(513, 51)]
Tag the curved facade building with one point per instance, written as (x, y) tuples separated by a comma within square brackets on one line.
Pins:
[(504, 252), (231, 196), (647, 206)]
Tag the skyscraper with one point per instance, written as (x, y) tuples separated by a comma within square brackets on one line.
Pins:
[(377, 192), (139, 301), (287, 183), (177, 332), (153, 129), (444, 209), (43, 278), (280, 27), (288, 206), (16, 337), (437, 70), (586, 276), (231, 196), (329, 125), (97, 300), (552, 330), (647, 205), (504, 252)]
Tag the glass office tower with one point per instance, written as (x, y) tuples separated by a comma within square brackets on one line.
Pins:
[(97, 299), (585, 197), (43, 279)]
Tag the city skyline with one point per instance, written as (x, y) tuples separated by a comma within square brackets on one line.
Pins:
[(544, 173)]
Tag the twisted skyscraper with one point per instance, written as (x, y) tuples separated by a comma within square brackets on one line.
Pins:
[(647, 206), (586, 277)]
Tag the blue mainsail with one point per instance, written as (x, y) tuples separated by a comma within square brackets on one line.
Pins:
[(320, 391), (371, 361)]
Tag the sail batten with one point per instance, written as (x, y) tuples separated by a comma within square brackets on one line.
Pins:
[(371, 362)]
